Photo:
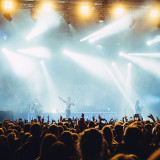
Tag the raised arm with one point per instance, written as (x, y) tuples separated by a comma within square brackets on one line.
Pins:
[(62, 99)]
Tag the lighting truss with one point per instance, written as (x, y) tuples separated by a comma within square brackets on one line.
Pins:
[(102, 5), (101, 8)]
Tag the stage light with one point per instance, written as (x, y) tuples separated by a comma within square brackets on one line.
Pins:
[(101, 21), (113, 28), (154, 40), (85, 9), (153, 55), (51, 93), (33, 14), (101, 17), (37, 52), (154, 13), (149, 65), (148, 43), (128, 80), (47, 7), (8, 16), (66, 17), (21, 65), (119, 74), (8, 5), (43, 23), (93, 65), (125, 81), (44, 10), (126, 96), (118, 10)]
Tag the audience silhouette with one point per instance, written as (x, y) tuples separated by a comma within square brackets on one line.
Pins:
[(80, 139)]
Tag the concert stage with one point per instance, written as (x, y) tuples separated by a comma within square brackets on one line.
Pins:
[(56, 116), (102, 62)]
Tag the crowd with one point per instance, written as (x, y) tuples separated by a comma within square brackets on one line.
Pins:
[(72, 139)]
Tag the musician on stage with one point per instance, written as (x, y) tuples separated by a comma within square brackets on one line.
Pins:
[(36, 107), (68, 106), (138, 109)]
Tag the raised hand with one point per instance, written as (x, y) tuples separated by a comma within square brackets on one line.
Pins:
[(151, 116)]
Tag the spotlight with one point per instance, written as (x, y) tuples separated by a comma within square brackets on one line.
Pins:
[(21, 65), (153, 41), (33, 14), (8, 5), (91, 64), (84, 9), (153, 55), (101, 18), (47, 7), (108, 30), (158, 24), (66, 18), (101, 21), (149, 43), (7, 16), (154, 13), (119, 11), (147, 64)]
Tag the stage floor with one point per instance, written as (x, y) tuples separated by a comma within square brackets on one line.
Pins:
[(56, 116)]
